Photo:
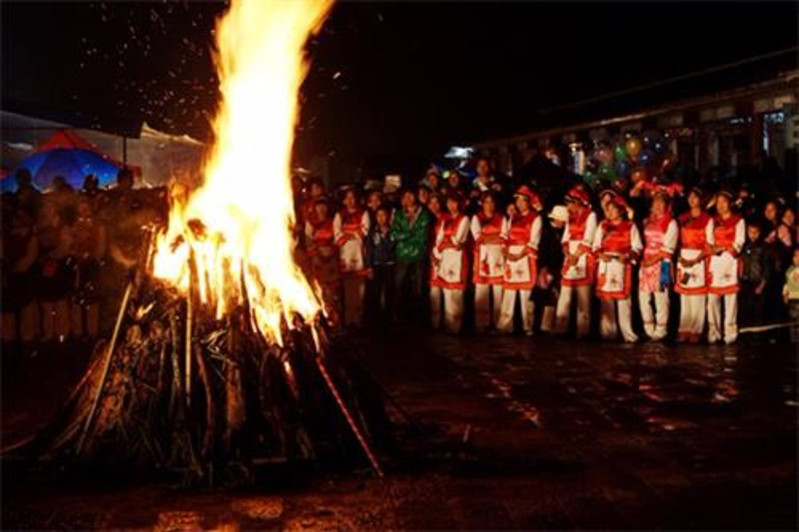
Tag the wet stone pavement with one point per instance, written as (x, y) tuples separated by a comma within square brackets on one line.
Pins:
[(509, 432)]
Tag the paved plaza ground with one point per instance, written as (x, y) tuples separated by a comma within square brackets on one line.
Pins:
[(508, 432)]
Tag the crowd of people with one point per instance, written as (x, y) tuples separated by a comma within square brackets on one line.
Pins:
[(66, 254), (450, 252), (664, 261)]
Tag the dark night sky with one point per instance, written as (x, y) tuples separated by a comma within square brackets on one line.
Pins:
[(414, 77)]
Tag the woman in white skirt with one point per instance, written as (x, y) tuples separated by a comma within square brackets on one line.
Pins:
[(521, 234), (617, 245), (450, 261), (489, 262), (729, 232), (696, 239)]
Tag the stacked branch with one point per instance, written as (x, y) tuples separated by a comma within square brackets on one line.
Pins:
[(177, 388)]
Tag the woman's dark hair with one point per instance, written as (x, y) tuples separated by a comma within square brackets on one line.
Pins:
[(408, 190), (351, 190), (489, 194)]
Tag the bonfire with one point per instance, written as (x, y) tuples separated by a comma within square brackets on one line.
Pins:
[(220, 353)]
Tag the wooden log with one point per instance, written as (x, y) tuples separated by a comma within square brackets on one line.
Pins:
[(109, 356), (348, 415)]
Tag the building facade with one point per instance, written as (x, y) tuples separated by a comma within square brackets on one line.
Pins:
[(727, 129)]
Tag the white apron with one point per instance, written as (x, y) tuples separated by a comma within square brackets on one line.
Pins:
[(579, 271), (351, 256), (518, 271), (614, 274), (491, 260), (450, 269), (723, 271), (692, 278)]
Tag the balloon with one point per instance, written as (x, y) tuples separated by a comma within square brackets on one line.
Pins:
[(647, 157), (620, 153), (640, 174), (604, 155), (623, 167), (650, 138), (590, 179), (607, 172), (660, 146), (634, 147)]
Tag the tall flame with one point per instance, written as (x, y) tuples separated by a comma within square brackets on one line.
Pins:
[(241, 249)]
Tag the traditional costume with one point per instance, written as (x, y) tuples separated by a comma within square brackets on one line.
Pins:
[(436, 283), (450, 262), (489, 269), (696, 237), (660, 236), (350, 229), (521, 235), (322, 253), (578, 238), (622, 242), (723, 277)]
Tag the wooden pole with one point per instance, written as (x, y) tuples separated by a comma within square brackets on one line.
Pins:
[(111, 347), (348, 416), (189, 345)]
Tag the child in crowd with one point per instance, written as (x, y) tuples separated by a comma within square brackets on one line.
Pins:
[(790, 293), (550, 265), (381, 253), (755, 275)]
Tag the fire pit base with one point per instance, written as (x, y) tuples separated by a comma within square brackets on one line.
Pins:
[(177, 389)]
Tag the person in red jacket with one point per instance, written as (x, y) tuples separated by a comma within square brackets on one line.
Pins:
[(521, 234), (696, 239), (450, 261), (617, 245), (578, 263), (729, 234), (350, 227), (489, 262)]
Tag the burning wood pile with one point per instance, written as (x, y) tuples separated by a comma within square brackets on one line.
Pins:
[(220, 352), (177, 388)]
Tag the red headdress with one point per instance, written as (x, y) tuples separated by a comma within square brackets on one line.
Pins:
[(578, 195), (531, 196)]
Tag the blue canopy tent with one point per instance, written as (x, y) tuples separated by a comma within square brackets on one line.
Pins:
[(68, 155)]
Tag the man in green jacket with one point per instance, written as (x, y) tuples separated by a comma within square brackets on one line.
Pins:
[(411, 230)]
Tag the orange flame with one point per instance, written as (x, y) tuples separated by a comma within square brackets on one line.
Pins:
[(242, 249)]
